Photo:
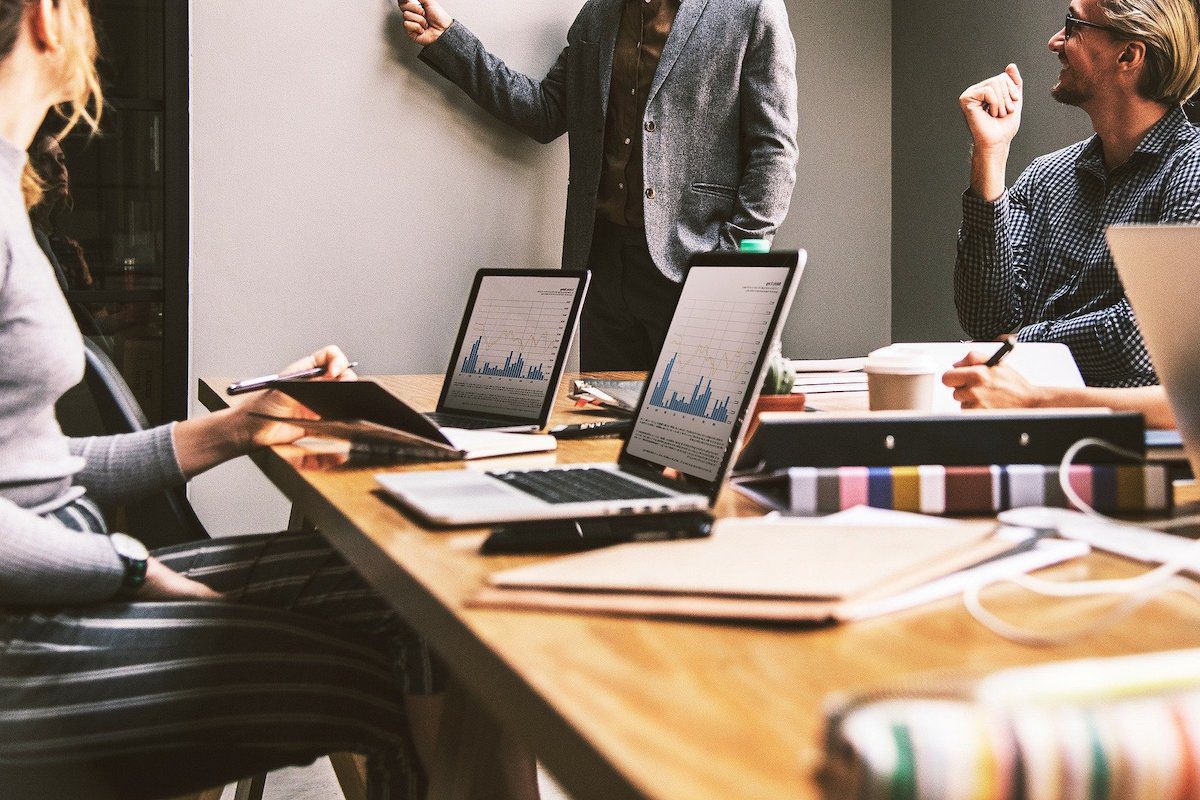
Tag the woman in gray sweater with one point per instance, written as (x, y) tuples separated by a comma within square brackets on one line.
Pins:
[(129, 674)]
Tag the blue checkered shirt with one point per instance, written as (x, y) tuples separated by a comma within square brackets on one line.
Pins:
[(1036, 260)]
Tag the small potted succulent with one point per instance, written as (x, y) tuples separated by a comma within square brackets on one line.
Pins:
[(776, 394)]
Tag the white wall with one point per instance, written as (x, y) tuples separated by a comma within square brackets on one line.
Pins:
[(840, 211), (343, 192)]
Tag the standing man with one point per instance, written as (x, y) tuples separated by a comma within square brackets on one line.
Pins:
[(1033, 258), (681, 116)]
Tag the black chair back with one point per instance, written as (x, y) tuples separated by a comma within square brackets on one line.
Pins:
[(163, 519)]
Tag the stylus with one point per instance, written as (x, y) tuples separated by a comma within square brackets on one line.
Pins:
[(255, 384), (591, 429)]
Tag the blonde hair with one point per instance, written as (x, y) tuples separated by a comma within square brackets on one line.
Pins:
[(1171, 31), (77, 72)]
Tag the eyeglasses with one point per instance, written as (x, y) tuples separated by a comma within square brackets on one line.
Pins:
[(1074, 23)]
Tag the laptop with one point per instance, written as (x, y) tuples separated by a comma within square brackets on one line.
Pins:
[(511, 349), (1159, 266), (688, 423)]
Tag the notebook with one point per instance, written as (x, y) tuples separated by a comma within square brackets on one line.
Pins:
[(1040, 363), (689, 419), (380, 423), (752, 569), (511, 349)]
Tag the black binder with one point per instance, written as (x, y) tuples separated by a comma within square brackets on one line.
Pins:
[(897, 439)]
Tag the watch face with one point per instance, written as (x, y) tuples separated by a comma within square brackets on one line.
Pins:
[(128, 547)]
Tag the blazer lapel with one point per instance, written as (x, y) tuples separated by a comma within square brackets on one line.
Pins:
[(608, 20), (685, 22)]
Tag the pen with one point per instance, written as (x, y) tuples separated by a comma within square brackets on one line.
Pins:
[(590, 429), (1010, 342), (255, 384)]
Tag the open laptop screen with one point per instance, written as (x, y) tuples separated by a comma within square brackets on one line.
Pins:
[(513, 342), (706, 373)]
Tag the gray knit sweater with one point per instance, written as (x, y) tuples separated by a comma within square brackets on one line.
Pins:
[(41, 356)]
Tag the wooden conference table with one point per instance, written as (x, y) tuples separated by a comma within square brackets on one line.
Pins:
[(629, 708)]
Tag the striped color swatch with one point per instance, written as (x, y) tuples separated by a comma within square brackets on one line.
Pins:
[(934, 489), (946, 750)]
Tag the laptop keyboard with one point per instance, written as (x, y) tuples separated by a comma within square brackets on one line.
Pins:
[(577, 485), (447, 420)]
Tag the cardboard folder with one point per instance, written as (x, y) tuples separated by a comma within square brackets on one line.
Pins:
[(749, 570)]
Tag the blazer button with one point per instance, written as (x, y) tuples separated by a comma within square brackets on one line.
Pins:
[(649, 194), (650, 126)]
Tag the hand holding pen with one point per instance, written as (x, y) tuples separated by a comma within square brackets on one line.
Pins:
[(267, 418), (981, 381)]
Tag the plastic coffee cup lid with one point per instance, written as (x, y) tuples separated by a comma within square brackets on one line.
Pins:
[(899, 362)]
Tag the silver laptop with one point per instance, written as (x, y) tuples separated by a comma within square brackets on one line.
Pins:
[(1160, 268), (511, 349), (687, 427)]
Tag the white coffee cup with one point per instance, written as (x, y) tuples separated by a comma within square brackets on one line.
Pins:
[(900, 380)]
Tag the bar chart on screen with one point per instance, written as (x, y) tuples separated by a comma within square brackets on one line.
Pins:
[(512, 341), (699, 384)]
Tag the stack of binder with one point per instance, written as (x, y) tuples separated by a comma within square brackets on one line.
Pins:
[(970, 463)]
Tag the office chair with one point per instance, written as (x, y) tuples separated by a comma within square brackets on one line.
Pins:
[(161, 520), (168, 518)]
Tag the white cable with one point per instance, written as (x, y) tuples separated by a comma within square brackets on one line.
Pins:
[(1137, 590)]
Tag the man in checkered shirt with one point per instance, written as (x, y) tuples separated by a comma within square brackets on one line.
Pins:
[(1033, 258)]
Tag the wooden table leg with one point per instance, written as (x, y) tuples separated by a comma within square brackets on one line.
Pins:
[(466, 755)]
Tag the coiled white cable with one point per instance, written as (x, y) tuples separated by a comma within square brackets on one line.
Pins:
[(1136, 591)]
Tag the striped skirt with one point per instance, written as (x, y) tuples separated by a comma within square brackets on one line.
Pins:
[(155, 699)]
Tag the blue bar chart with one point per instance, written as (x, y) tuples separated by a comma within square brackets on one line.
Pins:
[(514, 333), (513, 368), (704, 371), (696, 404)]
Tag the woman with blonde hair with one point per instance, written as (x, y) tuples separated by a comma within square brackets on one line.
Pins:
[(125, 673)]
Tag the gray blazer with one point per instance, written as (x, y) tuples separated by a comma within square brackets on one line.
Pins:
[(719, 132)]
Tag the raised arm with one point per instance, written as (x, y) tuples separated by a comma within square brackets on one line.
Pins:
[(536, 108), (988, 285), (769, 124)]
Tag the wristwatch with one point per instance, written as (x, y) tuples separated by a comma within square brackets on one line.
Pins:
[(133, 555)]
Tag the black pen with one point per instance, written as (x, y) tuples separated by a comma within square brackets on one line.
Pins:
[(590, 429), (255, 384), (1009, 342)]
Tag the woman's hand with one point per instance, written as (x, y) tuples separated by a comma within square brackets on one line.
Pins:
[(164, 583), (978, 386), (261, 432)]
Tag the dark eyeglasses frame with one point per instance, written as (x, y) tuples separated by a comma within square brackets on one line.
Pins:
[(1073, 23)]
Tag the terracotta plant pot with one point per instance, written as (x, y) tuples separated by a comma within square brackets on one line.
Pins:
[(773, 402)]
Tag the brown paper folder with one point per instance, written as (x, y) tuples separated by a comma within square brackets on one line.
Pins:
[(764, 570)]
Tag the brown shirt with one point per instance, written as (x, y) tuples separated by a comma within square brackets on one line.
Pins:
[(645, 25)]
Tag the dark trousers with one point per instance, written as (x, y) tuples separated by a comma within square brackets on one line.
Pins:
[(629, 304)]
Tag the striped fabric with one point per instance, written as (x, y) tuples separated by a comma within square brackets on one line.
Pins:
[(160, 699), (932, 489)]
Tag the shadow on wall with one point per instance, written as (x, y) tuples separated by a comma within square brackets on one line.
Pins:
[(503, 140)]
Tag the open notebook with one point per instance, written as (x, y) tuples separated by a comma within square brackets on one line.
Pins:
[(375, 420)]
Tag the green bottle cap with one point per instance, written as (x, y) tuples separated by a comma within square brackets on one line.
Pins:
[(754, 246)]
